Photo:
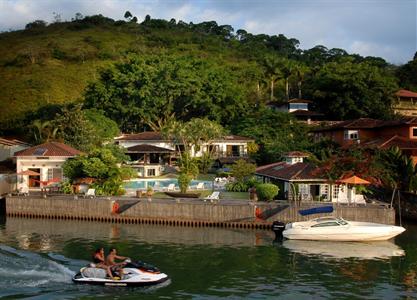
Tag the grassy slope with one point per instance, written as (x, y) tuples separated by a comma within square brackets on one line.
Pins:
[(28, 85)]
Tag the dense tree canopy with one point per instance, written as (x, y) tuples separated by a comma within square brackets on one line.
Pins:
[(147, 89), (348, 90), (275, 132), (407, 74)]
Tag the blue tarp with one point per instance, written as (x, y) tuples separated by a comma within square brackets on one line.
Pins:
[(316, 210)]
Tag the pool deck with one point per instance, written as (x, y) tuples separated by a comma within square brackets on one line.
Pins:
[(181, 212)]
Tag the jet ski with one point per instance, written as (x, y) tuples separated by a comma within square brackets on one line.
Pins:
[(134, 274)]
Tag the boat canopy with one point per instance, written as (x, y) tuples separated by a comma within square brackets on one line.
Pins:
[(316, 210)]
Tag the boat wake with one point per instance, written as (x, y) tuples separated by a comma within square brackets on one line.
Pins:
[(20, 268)]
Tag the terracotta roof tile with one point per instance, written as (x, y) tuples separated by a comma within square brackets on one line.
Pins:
[(232, 137), (12, 142), (296, 154), (288, 172), (393, 141), (144, 148), (300, 112), (296, 100), (49, 149), (406, 94), (141, 136)]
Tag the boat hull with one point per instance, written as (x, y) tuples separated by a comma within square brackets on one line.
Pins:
[(131, 277), (121, 283), (349, 232)]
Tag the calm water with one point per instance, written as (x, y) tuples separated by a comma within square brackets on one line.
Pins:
[(38, 258)]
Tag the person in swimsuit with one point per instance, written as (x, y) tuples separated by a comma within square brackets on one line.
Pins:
[(98, 259), (110, 261)]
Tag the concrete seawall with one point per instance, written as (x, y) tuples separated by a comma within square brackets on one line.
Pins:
[(231, 213)]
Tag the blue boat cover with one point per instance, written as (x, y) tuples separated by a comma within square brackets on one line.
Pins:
[(316, 210)]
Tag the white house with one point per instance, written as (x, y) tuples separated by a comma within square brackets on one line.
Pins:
[(46, 160), (296, 177), (152, 154)]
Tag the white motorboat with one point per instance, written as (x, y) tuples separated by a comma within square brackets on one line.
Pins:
[(338, 229), (134, 274)]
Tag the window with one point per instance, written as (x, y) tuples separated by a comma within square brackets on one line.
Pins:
[(151, 172), (55, 173), (351, 135), (336, 190), (414, 132), (298, 106), (326, 224)]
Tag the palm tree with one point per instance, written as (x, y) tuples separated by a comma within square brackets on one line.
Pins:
[(44, 131), (287, 69), (272, 66), (300, 71)]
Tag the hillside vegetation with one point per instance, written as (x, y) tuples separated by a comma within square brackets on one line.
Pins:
[(45, 66)]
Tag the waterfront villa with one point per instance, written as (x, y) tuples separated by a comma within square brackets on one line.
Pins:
[(41, 165), (372, 133), (405, 103), (298, 179), (300, 108), (152, 154)]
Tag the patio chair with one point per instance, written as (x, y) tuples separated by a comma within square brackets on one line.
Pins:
[(215, 196), (359, 199), (200, 186), (170, 187), (23, 191), (91, 193)]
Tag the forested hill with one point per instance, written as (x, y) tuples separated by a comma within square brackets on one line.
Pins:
[(45, 65)]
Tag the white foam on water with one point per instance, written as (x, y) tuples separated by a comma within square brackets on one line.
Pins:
[(29, 269)]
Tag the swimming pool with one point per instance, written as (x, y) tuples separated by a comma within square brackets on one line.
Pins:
[(160, 184)]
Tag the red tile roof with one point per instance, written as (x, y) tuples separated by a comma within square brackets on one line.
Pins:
[(147, 149), (49, 149), (235, 138), (300, 112), (296, 100), (141, 136), (12, 142), (368, 123), (289, 172), (406, 94), (394, 141), (296, 154)]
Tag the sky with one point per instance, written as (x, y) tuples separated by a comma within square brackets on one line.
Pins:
[(384, 28)]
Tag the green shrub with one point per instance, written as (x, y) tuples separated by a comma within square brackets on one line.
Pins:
[(237, 186), (267, 191), (252, 182), (66, 187), (184, 181)]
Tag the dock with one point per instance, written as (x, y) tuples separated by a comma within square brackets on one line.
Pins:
[(181, 212)]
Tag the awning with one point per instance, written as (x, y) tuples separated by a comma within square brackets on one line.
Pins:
[(28, 172), (145, 148), (353, 180)]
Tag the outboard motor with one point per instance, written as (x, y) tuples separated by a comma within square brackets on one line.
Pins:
[(278, 228)]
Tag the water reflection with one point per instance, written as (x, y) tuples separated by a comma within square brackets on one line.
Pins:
[(340, 250), (50, 235)]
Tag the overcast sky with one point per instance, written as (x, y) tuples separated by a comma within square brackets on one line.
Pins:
[(385, 28)]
